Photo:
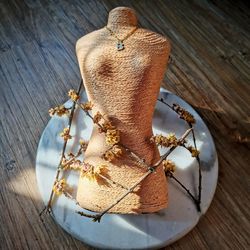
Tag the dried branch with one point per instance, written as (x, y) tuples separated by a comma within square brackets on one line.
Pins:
[(113, 182), (197, 157), (63, 165), (173, 147), (197, 203), (199, 166), (47, 208)]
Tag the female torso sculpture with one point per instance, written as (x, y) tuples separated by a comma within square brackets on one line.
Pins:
[(124, 85)]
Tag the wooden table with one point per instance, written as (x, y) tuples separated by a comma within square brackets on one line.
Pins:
[(209, 69)]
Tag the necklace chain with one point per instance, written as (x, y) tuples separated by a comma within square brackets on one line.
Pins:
[(128, 35), (120, 44)]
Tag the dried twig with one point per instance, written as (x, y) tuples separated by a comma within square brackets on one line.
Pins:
[(199, 166), (197, 201), (113, 182), (47, 208), (63, 165), (168, 173)]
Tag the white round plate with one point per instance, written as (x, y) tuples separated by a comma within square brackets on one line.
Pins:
[(148, 231)]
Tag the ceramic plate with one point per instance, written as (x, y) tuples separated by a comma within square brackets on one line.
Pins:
[(147, 231)]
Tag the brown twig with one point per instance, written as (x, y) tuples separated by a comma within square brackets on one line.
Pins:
[(62, 166), (134, 156), (68, 195), (199, 166), (47, 208), (113, 182), (197, 157), (173, 147), (168, 173)]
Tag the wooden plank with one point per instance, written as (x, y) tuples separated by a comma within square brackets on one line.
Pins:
[(210, 70)]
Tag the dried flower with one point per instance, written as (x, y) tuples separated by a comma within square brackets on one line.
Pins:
[(87, 105), (65, 134), (64, 161), (171, 139), (184, 114), (165, 141), (168, 166), (93, 173), (68, 164), (83, 144), (59, 186), (117, 150), (188, 117), (70, 154), (112, 136), (59, 110), (73, 95), (101, 169), (111, 154), (194, 152), (85, 167), (107, 125), (52, 111), (97, 117)]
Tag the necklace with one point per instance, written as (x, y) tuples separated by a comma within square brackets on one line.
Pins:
[(120, 44)]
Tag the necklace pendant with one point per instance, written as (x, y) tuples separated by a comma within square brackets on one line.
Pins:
[(120, 45)]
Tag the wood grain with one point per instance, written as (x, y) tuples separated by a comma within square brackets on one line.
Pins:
[(210, 70)]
